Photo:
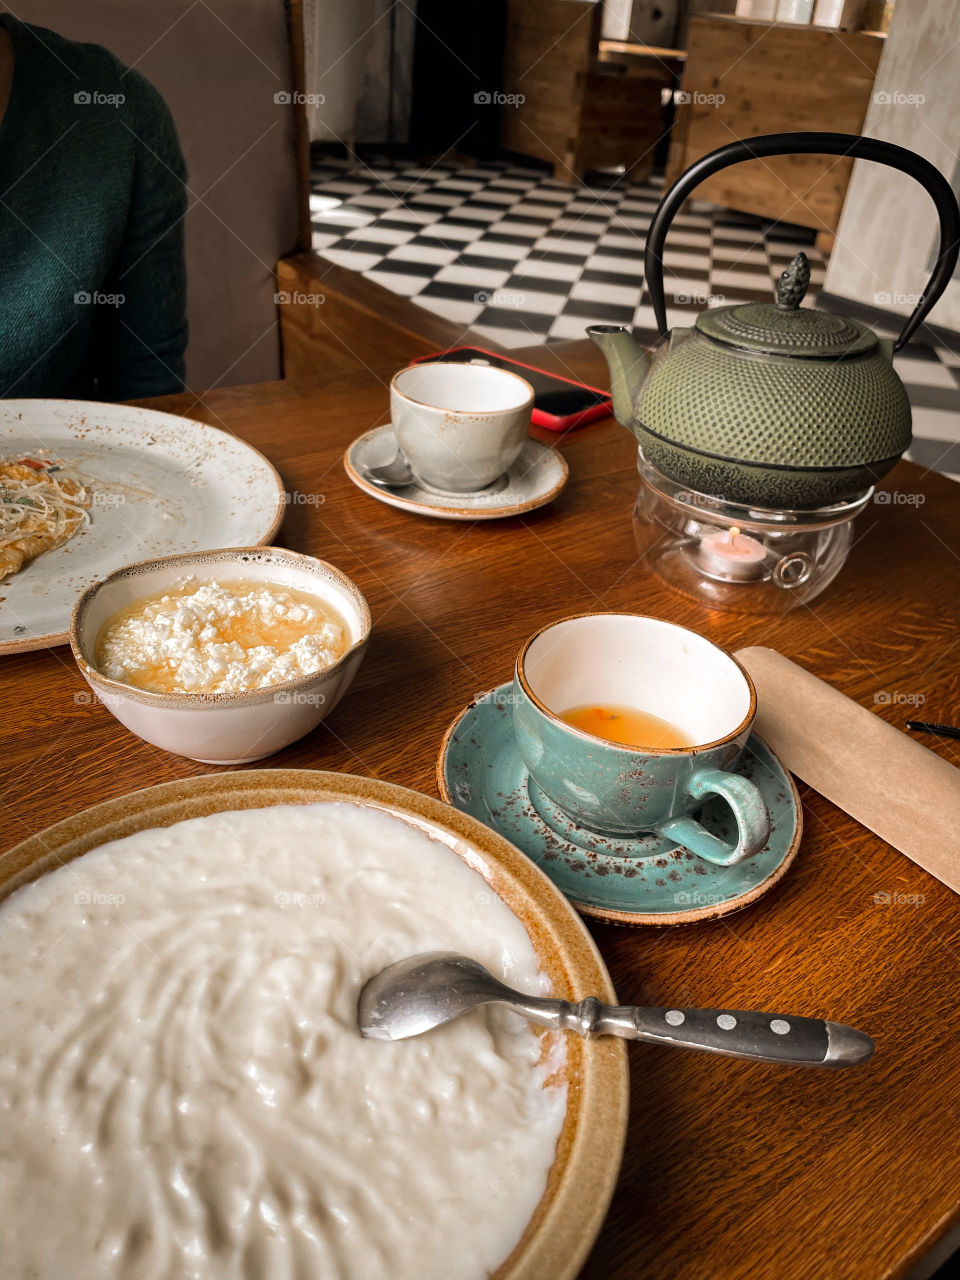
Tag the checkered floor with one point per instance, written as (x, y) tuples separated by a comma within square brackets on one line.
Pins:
[(520, 258)]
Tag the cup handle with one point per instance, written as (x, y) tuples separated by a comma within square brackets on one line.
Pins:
[(753, 820)]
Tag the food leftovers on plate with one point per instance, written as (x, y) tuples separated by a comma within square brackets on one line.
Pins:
[(43, 503)]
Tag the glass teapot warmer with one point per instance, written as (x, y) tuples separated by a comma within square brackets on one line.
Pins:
[(734, 557)]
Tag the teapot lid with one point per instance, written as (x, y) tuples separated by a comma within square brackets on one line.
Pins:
[(784, 328)]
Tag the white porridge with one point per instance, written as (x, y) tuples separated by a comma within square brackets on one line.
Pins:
[(220, 637), (184, 1094)]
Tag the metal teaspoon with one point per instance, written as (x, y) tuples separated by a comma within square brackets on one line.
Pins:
[(425, 991)]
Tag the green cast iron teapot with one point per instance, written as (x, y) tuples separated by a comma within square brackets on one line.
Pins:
[(772, 404)]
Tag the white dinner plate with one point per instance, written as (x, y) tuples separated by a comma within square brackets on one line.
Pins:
[(170, 485)]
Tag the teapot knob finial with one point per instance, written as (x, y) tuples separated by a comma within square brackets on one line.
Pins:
[(793, 282)]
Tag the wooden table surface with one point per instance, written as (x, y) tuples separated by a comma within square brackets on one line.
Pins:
[(733, 1169)]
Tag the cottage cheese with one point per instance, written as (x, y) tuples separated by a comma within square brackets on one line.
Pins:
[(220, 637), (184, 1094)]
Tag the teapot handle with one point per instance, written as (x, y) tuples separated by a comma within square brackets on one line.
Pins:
[(831, 144)]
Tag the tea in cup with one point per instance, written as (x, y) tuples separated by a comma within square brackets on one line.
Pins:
[(460, 426), (629, 723)]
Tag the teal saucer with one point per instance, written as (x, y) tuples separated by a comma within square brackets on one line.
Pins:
[(643, 880)]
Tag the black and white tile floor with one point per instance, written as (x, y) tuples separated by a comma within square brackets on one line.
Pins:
[(519, 258)]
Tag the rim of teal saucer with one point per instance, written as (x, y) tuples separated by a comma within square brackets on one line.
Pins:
[(610, 915)]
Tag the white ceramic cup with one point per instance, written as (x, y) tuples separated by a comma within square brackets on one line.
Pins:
[(460, 426)]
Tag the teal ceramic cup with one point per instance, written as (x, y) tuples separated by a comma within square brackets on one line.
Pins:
[(622, 659)]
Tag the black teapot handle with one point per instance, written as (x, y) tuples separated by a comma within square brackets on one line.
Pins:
[(831, 144)]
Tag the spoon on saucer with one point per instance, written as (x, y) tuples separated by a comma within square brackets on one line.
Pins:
[(425, 991), (392, 475)]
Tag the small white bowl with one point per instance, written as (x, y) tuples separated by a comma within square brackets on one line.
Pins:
[(222, 728)]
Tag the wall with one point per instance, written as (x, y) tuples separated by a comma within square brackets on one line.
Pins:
[(887, 234), (219, 65), (641, 22), (698, 9), (335, 46), (347, 52)]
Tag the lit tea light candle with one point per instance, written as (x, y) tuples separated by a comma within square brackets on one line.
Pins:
[(732, 554)]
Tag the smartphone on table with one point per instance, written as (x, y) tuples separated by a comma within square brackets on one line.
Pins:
[(558, 403)]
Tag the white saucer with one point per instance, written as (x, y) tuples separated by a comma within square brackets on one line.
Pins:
[(535, 479)]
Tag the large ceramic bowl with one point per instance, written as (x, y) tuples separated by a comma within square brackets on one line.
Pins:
[(222, 728), (568, 1218)]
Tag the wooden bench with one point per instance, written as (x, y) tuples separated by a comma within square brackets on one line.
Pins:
[(333, 320)]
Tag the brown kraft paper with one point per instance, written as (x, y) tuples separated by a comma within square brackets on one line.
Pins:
[(906, 794)]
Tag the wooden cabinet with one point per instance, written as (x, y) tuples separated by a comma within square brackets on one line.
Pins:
[(566, 104), (744, 78)]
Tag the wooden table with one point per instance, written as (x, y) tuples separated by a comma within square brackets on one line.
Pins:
[(733, 1170)]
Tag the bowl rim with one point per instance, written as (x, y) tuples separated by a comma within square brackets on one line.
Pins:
[(98, 680), (582, 1178)]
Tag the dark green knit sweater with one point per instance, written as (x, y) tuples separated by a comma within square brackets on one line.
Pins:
[(92, 198)]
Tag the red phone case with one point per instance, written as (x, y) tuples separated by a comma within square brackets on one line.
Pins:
[(548, 420)]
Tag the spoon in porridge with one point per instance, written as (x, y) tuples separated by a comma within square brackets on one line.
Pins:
[(425, 991)]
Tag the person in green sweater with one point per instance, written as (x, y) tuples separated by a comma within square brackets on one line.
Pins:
[(92, 200)]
